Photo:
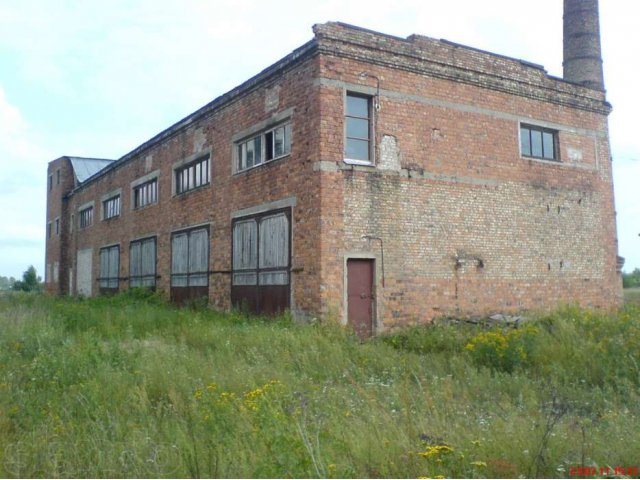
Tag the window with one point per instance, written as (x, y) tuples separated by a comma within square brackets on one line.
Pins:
[(145, 194), (86, 217), (58, 177), (261, 259), (57, 221), (109, 267), (190, 258), (193, 175), (357, 145), (49, 230), (142, 263), (111, 207), (265, 147), (50, 182), (261, 251), (538, 142)]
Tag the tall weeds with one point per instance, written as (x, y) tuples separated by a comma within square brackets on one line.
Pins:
[(128, 386)]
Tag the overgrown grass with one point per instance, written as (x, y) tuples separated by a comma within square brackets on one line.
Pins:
[(131, 387)]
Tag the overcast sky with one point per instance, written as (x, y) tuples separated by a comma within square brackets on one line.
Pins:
[(98, 78)]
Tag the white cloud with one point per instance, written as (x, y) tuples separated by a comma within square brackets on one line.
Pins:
[(22, 194)]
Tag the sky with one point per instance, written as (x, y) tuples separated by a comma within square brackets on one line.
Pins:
[(98, 78)]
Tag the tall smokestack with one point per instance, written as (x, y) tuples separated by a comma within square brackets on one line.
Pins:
[(582, 53)]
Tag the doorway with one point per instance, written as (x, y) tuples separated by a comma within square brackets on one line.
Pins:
[(361, 296)]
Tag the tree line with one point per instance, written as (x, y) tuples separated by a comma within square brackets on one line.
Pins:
[(30, 282)]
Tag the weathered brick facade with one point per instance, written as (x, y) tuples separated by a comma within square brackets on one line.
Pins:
[(456, 219)]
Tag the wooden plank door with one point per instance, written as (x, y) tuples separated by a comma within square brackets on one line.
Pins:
[(360, 296)]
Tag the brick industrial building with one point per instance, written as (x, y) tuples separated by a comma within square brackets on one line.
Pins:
[(369, 178)]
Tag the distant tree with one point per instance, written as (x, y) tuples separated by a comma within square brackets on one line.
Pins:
[(6, 283), (631, 280), (30, 282)]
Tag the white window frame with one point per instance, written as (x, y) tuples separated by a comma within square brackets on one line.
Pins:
[(85, 216), (140, 182), (115, 209), (200, 163), (267, 141), (145, 194), (370, 119)]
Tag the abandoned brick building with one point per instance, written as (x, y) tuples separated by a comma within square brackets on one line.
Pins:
[(364, 177)]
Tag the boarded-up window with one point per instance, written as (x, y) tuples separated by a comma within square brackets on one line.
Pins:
[(261, 251), (190, 258), (274, 250), (261, 262), (245, 252), (142, 263), (109, 267)]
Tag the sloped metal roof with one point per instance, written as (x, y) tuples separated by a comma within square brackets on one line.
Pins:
[(84, 168)]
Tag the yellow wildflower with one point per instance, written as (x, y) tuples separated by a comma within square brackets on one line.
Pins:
[(435, 450)]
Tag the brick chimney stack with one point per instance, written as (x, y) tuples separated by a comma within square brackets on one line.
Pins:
[(582, 53)]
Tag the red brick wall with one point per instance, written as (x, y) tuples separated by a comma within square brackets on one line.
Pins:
[(62, 181), (468, 225), (213, 205)]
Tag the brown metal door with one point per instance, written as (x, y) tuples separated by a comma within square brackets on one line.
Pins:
[(360, 296)]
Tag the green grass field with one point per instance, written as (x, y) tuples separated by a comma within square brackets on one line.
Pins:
[(131, 387), (632, 296)]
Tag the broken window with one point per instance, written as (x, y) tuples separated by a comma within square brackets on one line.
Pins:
[(142, 263), (85, 217), (357, 145), (111, 207), (193, 175), (145, 194), (537, 142), (109, 267), (267, 146), (190, 258)]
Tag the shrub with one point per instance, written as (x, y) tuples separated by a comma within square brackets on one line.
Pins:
[(502, 351)]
